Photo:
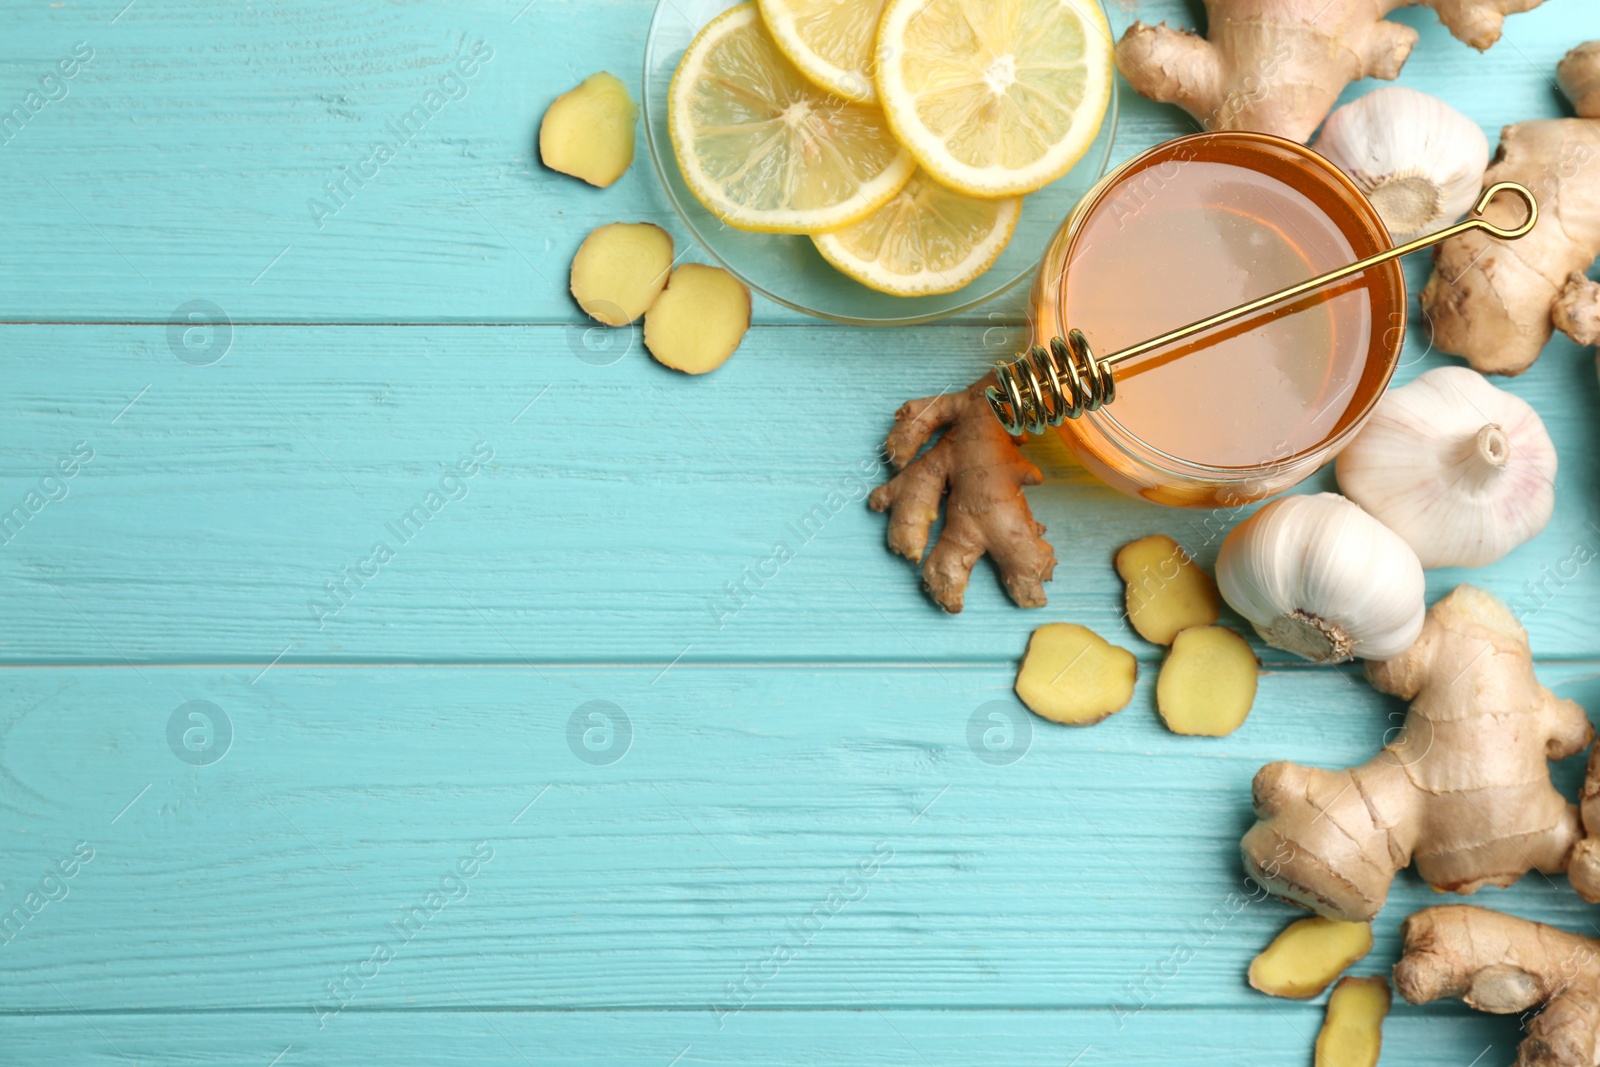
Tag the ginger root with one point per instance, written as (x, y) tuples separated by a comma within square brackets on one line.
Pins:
[(1278, 66), (620, 269), (1506, 965), (1208, 682), (698, 320), (1352, 1031), (1577, 310), (1497, 302), (978, 463), (588, 131), (1463, 791), (1579, 77), (1307, 956), (1167, 591), (1072, 675), (1583, 869)]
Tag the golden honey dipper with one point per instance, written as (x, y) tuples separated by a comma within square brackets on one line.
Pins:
[(1045, 386)]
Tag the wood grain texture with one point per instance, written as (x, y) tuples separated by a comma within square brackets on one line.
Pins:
[(467, 1038), (181, 161), (1097, 869), (1027, 912), (615, 514)]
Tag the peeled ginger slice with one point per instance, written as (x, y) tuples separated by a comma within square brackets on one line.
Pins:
[(1072, 675), (699, 320), (1308, 955), (1352, 1031), (620, 269), (1167, 591), (1208, 682), (588, 131)]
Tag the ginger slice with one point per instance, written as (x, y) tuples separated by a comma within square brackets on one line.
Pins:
[(699, 320), (1208, 683), (620, 269), (1307, 955), (1072, 675), (1167, 591), (588, 131), (1352, 1031)]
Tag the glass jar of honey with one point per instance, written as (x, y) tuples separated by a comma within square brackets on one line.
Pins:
[(1251, 407)]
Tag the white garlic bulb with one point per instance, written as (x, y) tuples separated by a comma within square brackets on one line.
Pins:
[(1463, 471), (1419, 160), (1321, 578)]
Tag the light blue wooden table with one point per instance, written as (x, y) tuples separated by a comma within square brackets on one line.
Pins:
[(408, 853)]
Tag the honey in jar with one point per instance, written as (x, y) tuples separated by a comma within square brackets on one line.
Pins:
[(1194, 226)]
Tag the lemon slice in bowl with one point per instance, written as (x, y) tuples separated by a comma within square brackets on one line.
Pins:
[(763, 148), (831, 41), (994, 97), (926, 240)]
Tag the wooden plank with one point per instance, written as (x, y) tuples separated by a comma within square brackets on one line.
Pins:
[(1029, 912), (215, 126), (1280, 1034), (621, 504), (427, 837)]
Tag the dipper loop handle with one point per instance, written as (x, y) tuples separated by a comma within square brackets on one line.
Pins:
[(1044, 387)]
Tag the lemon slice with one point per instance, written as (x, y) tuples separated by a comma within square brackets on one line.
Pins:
[(926, 240), (829, 40), (994, 97), (764, 149)]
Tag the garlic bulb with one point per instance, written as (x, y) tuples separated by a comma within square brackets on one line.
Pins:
[(1463, 471), (1321, 578), (1419, 160)]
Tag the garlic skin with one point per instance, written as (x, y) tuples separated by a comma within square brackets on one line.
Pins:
[(1321, 578), (1463, 471), (1419, 160)]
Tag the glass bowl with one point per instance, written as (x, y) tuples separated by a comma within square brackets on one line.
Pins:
[(788, 269)]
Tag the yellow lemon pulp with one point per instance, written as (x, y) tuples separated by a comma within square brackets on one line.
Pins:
[(763, 148), (926, 240), (995, 97), (831, 41)]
